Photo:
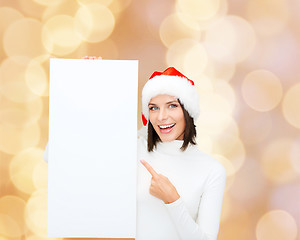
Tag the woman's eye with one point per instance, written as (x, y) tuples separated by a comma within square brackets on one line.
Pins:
[(173, 105), (152, 108)]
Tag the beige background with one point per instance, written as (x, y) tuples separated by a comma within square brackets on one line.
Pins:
[(242, 55)]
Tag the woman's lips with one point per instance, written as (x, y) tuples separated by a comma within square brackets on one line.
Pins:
[(166, 130)]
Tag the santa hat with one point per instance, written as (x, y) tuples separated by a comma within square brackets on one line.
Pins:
[(174, 83)]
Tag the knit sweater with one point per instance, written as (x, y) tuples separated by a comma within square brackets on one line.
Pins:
[(199, 180)]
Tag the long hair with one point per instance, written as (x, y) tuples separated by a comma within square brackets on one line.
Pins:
[(189, 132)]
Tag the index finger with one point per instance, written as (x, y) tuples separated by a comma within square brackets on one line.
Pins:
[(150, 169)]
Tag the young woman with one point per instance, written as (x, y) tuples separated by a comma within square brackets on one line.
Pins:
[(179, 188)]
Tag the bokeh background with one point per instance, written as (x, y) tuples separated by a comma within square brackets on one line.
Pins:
[(244, 56)]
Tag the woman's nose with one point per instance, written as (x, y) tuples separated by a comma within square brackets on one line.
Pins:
[(162, 115)]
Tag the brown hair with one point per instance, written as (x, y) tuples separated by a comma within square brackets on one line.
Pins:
[(189, 132)]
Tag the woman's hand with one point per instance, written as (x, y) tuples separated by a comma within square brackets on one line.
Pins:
[(92, 57), (161, 187)]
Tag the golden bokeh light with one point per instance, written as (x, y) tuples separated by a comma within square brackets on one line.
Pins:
[(276, 163), (14, 139), (49, 3), (9, 227), (13, 80), (230, 171), (7, 16), (36, 78), (230, 39), (195, 60), (255, 126), (102, 2), (268, 22), (262, 90), (231, 147), (204, 143), (40, 175), (172, 29), (67, 7), (249, 189), (59, 36), (290, 106), (295, 155), (177, 51), (199, 9), (276, 225), (22, 168), (23, 38), (217, 70), (20, 114), (14, 208), (36, 212), (225, 90), (94, 22)]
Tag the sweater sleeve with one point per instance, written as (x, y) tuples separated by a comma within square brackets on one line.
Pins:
[(45, 155), (206, 226)]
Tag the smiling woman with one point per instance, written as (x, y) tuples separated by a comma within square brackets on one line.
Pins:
[(167, 147)]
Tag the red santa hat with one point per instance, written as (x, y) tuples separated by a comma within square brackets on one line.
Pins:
[(174, 83)]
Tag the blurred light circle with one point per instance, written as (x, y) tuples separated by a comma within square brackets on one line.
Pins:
[(276, 225), (22, 168), (36, 213), (286, 197), (231, 147), (295, 155), (276, 163), (94, 22), (14, 139), (23, 38), (203, 84), (36, 78), (290, 106), (262, 90), (40, 175), (65, 8), (102, 2), (7, 16), (9, 227), (204, 143), (49, 3), (255, 126), (59, 36), (20, 114), (203, 22), (230, 39), (172, 29), (14, 207), (217, 70), (195, 60), (177, 52), (230, 171), (199, 9), (250, 187), (270, 21), (13, 83), (225, 90)]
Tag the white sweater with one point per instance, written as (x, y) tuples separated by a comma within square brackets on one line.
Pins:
[(200, 182)]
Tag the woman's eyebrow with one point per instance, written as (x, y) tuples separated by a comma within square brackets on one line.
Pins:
[(166, 103)]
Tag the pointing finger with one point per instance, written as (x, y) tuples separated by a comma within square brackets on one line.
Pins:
[(150, 169)]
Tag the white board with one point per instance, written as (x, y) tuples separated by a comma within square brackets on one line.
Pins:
[(92, 148)]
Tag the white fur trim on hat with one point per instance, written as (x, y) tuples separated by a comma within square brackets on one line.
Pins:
[(176, 86)]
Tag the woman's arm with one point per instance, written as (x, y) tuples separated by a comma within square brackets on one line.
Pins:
[(207, 223)]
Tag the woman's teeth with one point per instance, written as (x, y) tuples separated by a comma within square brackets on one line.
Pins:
[(166, 126)]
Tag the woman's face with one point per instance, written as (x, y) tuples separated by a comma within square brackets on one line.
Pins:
[(166, 116)]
